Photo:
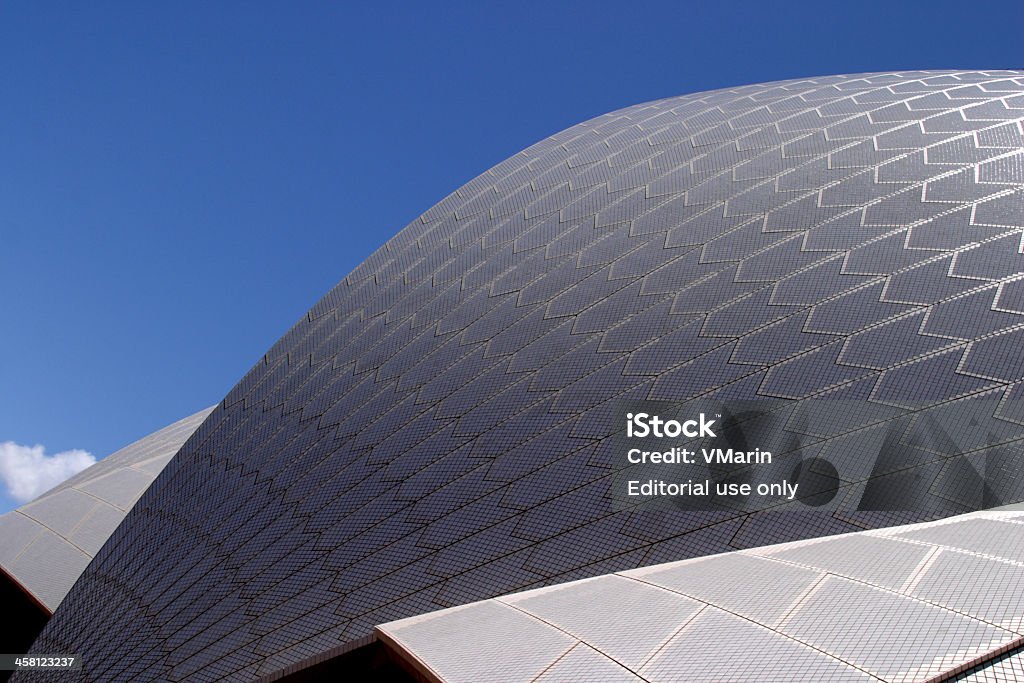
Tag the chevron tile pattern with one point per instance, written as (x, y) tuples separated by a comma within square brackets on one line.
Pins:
[(435, 431)]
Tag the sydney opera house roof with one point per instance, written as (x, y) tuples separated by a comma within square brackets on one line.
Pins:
[(829, 267), (49, 541)]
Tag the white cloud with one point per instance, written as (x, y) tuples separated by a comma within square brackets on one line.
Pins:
[(28, 471)]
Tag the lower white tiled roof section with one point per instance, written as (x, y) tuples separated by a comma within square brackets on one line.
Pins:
[(904, 604), (47, 543)]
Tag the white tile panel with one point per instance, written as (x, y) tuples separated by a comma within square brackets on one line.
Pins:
[(987, 589), (584, 664), (95, 529), (894, 637), (875, 560), (47, 543), (753, 587), (985, 535), (623, 618), (718, 647), (49, 566), (62, 511), (121, 487), (508, 646), (17, 532)]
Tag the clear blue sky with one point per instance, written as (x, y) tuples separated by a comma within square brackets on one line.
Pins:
[(179, 182)]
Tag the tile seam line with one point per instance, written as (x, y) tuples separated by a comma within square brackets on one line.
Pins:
[(556, 661), (535, 617), (801, 599), (924, 566), (895, 592), (56, 533), (788, 637), (672, 636), (997, 559)]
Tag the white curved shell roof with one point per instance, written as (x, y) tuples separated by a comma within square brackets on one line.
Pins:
[(47, 543), (909, 603)]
